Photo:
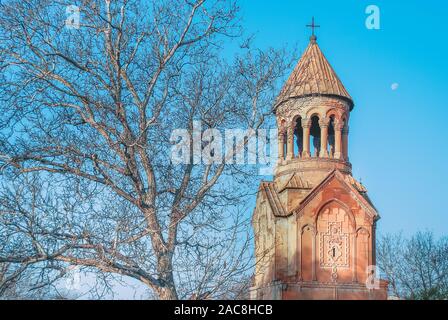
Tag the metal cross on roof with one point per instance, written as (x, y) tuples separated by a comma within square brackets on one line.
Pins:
[(313, 26)]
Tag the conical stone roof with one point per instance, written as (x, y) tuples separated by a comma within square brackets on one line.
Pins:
[(313, 76)]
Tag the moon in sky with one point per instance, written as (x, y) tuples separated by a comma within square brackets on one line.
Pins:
[(394, 86)]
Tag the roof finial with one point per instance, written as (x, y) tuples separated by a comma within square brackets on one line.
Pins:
[(313, 26)]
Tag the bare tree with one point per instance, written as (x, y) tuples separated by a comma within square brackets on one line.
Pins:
[(417, 268), (24, 207), (29, 281), (91, 108)]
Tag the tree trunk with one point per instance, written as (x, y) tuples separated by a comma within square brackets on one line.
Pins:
[(167, 293), (165, 268)]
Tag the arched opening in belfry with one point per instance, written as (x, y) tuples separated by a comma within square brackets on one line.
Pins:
[(285, 144), (331, 137), (344, 140), (298, 137), (282, 136), (315, 133)]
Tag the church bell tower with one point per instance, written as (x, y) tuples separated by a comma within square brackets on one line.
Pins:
[(314, 224)]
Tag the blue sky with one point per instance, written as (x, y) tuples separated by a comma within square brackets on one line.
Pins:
[(398, 138)]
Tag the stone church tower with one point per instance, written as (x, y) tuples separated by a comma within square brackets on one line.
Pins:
[(314, 224)]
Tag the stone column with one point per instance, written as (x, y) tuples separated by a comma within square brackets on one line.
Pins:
[(290, 147), (323, 124), (338, 141), (306, 125), (345, 132), (281, 145)]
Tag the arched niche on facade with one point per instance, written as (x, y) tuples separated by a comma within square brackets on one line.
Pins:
[(335, 242)]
